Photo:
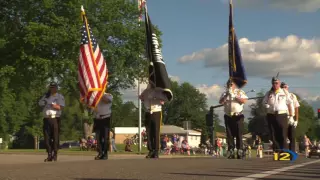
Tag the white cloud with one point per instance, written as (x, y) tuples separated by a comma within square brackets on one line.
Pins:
[(292, 56), (299, 5), (314, 101), (174, 78), (212, 92), (132, 94)]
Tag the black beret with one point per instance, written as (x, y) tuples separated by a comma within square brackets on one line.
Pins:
[(283, 84), (275, 79), (53, 84)]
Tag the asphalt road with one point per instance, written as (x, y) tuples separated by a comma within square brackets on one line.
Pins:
[(32, 167)]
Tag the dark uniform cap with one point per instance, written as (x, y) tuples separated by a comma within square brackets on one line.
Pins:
[(275, 79), (229, 82), (53, 84), (283, 84)]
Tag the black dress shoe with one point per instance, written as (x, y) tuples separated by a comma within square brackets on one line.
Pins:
[(155, 155), (240, 154), (230, 154), (97, 157), (104, 156), (55, 156), (149, 154), (49, 158)]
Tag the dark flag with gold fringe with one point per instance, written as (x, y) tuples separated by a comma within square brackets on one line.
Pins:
[(236, 68), (158, 76)]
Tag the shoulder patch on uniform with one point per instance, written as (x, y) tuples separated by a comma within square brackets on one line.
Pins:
[(61, 96)]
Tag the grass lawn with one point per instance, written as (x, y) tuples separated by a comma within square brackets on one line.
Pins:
[(76, 151)]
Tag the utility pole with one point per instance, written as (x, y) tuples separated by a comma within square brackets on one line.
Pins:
[(139, 106)]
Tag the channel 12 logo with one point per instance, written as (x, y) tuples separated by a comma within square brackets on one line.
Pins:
[(285, 155)]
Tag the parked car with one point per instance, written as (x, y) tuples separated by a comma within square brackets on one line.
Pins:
[(314, 151)]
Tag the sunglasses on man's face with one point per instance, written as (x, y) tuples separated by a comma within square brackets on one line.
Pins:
[(275, 83)]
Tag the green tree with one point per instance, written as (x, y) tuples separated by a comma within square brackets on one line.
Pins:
[(188, 104), (307, 120), (217, 124), (258, 124), (126, 115), (39, 41)]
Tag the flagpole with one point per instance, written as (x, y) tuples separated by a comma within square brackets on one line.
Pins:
[(232, 65), (139, 92), (139, 106)]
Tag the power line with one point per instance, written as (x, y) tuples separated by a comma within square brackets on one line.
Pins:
[(255, 87)]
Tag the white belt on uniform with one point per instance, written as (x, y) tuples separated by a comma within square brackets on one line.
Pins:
[(152, 110), (51, 116), (103, 116), (234, 113), (278, 112)]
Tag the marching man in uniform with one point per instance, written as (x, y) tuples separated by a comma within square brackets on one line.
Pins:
[(102, 125), (234, 117), (295, 114), (153, 99), (52, 103), (279, 111)]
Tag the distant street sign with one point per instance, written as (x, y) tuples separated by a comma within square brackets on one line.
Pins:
[(0, 140)]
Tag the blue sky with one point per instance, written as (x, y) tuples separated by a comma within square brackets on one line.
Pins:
[(189, 26)]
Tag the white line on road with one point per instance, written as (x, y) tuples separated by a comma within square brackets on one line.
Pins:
[(275, 171)]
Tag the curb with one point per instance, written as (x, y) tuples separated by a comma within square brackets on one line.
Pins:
[(110, 155)]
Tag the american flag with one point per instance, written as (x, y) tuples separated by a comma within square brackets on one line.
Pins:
[(141, 4), (92, 68)]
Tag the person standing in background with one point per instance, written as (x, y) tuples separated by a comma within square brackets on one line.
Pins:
[(52, 103), (113, 141), (293, 124), (307, 144)]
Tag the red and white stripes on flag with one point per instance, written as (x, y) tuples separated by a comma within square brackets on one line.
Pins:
[(141, 4), (92, 68)]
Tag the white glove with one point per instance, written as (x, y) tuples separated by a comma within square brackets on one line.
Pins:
[(295, 124), (267, 106), (291, 120)]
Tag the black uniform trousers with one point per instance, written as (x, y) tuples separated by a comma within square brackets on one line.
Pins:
[(291, 137), (153, 123), (278, 127), (51, 134), (234, 129), (102, 129)]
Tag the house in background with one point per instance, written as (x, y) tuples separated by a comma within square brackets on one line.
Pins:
[(123, 133), (222, 136), (127, 132), (193, 136)]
